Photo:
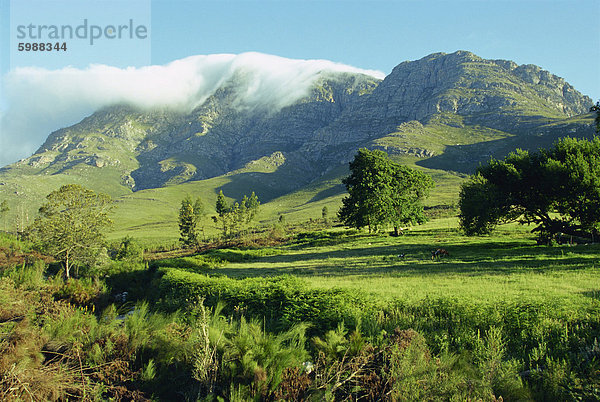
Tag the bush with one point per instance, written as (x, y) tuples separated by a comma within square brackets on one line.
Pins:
[(26, 276), (127, 250), (283, 301), (83, 292)]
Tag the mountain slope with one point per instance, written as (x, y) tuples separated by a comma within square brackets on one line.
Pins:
[(445, 111)]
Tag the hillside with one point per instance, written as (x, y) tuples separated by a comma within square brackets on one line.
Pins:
[(444, 112)]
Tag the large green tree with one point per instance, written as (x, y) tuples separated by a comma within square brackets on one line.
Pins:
[(71, 224), (558, 189), (190, 214), (382, 192)]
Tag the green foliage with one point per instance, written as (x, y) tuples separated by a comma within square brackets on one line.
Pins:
[(83, 292), (189, 220), (26, 276), (232, 218), (489, 355), (558, 189), (222, 206), (282, 301), (382, 192), (480, 206), (71, 224), (128, 250), (149, 371), (596, 108), (258, 359), (458, 349), (4, 208), (196, 263), (324, 214)]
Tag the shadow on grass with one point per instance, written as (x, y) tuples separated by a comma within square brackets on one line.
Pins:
[(593, 294), (485, 258), (466, 158), (329, 192), (137, 283)]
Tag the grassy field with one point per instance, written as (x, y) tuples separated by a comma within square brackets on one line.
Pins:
[(500, 316), (151, 215), (493, 269), (533, 309)]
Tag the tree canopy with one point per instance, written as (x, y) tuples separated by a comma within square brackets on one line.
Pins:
[(557, 189), (71, 223), (231, 218), (382, 192), (190, 215), (596, 108)]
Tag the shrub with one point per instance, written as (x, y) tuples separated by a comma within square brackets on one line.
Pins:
[(85, 292), (283, 301), (26, 276), (128, 250)]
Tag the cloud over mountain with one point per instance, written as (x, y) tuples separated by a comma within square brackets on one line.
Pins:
[(40, 101)]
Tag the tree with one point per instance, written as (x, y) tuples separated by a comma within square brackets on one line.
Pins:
[(325, 214), (128, 250), (250, 207), (557, 189), (221, 206), (71, 223), (4, 208), (190, 215), (382, 192), (231, 218), (596, 108)]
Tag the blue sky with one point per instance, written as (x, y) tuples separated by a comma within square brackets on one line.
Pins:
[(562, 37)]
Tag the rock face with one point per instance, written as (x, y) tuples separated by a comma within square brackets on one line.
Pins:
[(342, 112)]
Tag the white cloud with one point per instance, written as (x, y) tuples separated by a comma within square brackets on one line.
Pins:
[(40, 101)]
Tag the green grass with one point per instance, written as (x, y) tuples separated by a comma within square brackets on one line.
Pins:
[(151, 215), (483, 270)]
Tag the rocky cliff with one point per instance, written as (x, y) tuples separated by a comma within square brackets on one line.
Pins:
[(422, 109)]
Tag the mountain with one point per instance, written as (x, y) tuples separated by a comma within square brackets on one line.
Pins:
[(444, 111)]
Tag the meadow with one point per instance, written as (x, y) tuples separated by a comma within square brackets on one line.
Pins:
[(499, 317), (301, 308), (503, 267)]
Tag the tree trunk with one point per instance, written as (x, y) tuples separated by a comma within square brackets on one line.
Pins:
[(67, 267)]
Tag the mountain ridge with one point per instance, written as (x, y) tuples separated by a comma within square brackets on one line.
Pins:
[(443, 111)]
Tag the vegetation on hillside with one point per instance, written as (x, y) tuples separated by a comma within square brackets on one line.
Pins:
[(226, 323), (231, 219), (190, 215), (308, 311), (557, 189)]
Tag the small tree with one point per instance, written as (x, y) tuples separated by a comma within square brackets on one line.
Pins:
[(190, 215), (325, 214), (71, 223), (223, 217), (222, 206), (382, 192), (4, 208), (251, 205), (231, 218), (129, 250)]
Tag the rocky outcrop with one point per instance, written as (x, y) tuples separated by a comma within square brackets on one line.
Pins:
[(342, 111)]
